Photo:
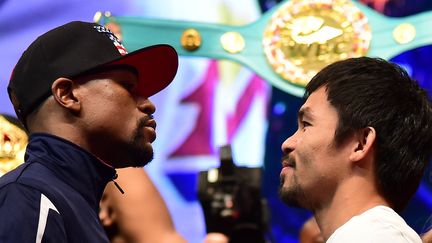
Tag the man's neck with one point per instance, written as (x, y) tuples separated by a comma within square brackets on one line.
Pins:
[(352, 198)]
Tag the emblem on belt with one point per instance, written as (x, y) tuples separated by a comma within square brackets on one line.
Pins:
[(302, 37)]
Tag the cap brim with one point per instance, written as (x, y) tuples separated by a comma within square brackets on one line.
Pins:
[(156, 66)]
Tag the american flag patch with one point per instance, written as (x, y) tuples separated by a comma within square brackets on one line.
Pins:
[(121, 49)]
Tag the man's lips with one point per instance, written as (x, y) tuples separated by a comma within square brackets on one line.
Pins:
[(151, 123), (288, 162), (149, 126)]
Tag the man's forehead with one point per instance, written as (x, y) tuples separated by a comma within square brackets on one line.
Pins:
[(317, 96), (110, 72), (316, 101), (305, 111)]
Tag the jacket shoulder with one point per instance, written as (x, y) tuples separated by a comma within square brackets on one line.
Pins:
[(13, 175)]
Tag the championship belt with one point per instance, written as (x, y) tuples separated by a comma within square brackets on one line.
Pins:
[(291, 42), (13, 142)]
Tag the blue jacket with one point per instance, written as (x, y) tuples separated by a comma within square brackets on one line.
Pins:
[(54, 196)]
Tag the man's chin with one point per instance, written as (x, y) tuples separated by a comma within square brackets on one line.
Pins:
[(142, 158), (139, 156), (135, 162), (141, 163), (289, 196)]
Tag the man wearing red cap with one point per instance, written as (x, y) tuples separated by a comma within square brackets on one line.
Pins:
[(84, 100)]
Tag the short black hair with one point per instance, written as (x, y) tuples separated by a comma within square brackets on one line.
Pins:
[(373, 92)]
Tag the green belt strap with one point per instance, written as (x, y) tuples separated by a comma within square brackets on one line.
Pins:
[(390, 36)]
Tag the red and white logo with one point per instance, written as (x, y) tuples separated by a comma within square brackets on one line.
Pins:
[(121, 49)]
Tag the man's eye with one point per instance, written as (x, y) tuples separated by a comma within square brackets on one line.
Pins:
[(305, 124)]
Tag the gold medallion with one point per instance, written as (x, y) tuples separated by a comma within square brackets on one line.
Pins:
[(13, 142), (190, 39), (303, 36), (404, 33), (232, 42)]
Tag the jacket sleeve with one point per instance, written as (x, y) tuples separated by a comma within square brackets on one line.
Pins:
[(27, 215)]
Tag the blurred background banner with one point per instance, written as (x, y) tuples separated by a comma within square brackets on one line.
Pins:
[(211, 102)]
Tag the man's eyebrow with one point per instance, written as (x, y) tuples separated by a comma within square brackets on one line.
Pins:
[(304, 112)]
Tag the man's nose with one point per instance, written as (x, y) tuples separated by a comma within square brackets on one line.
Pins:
[(145, 105), (289, 144)]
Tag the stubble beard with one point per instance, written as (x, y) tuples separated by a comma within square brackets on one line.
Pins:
[(140, 150), (292, 195)]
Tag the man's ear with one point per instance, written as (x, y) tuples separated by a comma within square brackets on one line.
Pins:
[(63, 92), (363, 146)]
